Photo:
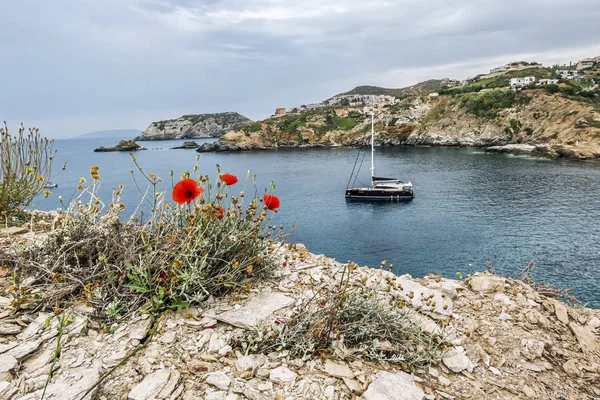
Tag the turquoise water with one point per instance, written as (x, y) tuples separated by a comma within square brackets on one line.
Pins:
[(470, 208)]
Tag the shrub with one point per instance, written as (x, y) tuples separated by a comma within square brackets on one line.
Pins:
[(254, 127), (551, 88), (487, 104), (358, 322), (25, 169), (177, 256)]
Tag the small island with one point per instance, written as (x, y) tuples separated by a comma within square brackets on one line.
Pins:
[(123, 145), (187, 145)]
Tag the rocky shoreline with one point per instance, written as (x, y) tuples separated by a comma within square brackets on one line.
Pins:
[(541, 150), (503, 340)]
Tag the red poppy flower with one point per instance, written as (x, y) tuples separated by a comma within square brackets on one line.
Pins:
[(229, 179), (186, 191), (220, 213), (272, 202)]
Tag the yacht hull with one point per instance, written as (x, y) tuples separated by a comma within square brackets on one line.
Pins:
[(379, 194)]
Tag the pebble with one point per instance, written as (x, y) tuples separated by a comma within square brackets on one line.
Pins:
[(219, 380), (282, 375)]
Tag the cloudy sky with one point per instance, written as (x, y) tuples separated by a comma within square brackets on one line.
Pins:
[(75, 66)]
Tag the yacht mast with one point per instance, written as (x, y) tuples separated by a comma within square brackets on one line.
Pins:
[(372, 146)]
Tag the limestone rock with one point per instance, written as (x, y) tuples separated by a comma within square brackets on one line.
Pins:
[(7, 391), (571, 368), (586, 338), (486, 283), (532, 349), (422, 297), (387, 386), (338, 370), (282, 375), (158, 385), (9, 329), (560, 310), (219, 380), (457, 361), (250, 362), (7, 364), (255, 309), (354, 386)]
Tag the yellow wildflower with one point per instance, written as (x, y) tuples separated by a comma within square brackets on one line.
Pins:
[(47, 193), (249, 269), (29, 171), (82, 180), (79, 187), (40, 178)]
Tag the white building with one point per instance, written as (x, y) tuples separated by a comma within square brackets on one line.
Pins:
[(520, 82), (547, 81), (585, 63)]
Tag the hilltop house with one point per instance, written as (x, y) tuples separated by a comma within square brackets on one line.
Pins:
[(585, 63), (569, 74), (280, 111), (515, 65), (520, 82), (547, 81)]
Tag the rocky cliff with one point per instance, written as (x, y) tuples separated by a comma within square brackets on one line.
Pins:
[(500, 339), (194, 126), (556, 125)]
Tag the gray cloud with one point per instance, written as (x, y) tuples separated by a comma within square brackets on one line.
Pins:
[(72, 67)]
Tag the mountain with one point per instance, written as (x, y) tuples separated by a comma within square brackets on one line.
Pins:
[(425, 87), (110, 134), (194, 126)]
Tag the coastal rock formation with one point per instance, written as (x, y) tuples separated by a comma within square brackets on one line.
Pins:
[(194, 126), (503, 340), (187, 145), (536, 124), (123, 145)]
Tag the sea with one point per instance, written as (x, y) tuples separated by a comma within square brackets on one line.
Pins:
[(471, 211)]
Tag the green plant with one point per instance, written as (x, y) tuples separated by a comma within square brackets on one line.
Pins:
[(176, 256), (25, 169), (358, 322), (254, 127)]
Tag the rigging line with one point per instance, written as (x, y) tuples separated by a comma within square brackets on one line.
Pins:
[(353, 168), (360, 166)]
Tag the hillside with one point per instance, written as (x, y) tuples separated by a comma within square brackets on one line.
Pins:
[(425, 87), (558, 124), (194, 126), (521, 108), (110, 134)]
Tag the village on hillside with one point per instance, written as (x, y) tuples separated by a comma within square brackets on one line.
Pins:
[(585, 72)]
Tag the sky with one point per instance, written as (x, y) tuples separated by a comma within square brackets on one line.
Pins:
[(70, 67)]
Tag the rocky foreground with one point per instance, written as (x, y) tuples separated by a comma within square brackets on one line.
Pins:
[(504, 340)]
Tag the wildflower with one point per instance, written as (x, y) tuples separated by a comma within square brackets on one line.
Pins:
[(249, 269), (47, 193), (272, 202), (185, 191), (82, 180), (29, 171), (94, 172), (229, 179), (220, 196), (40, 178), (79, 187), (220, 213)]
